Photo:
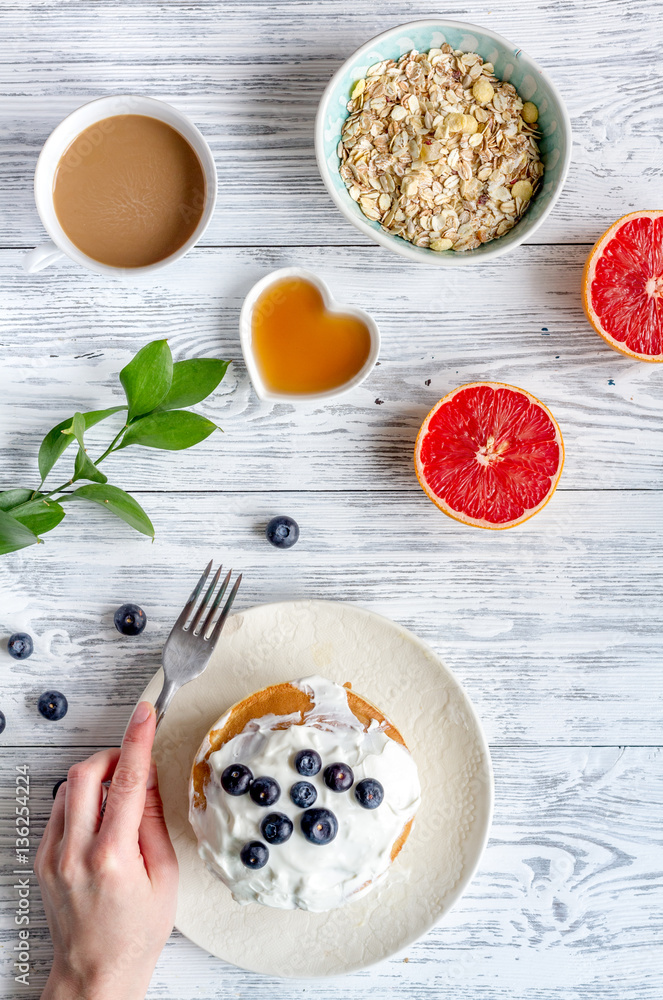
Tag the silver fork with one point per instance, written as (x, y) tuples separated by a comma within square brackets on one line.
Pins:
[(187, 652), (189, 647)]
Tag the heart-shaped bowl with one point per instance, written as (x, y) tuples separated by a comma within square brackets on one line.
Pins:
[(511, 65), (330, 306)]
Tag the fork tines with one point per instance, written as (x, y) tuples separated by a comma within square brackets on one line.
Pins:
[(209, 632)]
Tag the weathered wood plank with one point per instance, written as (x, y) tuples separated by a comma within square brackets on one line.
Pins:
[(251, 78), (67, 333), (564, 906), (553, 626)]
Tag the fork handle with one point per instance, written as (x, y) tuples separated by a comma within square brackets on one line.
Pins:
[(164, 699)]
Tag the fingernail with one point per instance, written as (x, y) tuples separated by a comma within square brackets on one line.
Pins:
[(152, 779), (143, 712)]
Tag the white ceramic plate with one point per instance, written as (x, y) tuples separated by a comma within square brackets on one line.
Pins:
[(272, 643)]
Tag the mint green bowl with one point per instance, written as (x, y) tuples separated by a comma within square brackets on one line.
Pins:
[(511, 64)]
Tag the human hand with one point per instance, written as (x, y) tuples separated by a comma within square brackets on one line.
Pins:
[(109, 886)]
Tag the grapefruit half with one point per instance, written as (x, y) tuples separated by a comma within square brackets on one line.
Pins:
[(489, 454), (622, 286)]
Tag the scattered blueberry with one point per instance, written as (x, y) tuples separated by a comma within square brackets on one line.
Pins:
[(282, 532), (20, 645), (308, 763), (3, 722), (264, 791), (338, 777), (130, 619), (320, 826), (53, 705), (369, 793), (303, 794), (236, 779), (254, 855), (276, 828), (57, 785)]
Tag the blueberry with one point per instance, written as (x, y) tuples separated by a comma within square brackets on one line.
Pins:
[(303, 794), (282, 532), (254, 855), (53, 705), (57, 785), (320, 826), (308, 763), (20, 645), (3, 722), (236, 779), (265, 791), (276, 828), (369, 793), (130, 619), (338, 777)]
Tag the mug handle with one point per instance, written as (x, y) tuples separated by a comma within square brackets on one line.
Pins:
[(41, 257)]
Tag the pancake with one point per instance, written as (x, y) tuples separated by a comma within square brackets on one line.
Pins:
[(264, 733)]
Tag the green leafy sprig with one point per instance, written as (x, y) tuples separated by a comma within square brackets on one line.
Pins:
[(157, 391)]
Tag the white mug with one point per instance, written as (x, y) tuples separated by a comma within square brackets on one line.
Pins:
[(64, 135)]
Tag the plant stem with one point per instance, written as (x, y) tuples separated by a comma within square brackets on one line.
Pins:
[(59, 489), (111, 447), (109, 450)]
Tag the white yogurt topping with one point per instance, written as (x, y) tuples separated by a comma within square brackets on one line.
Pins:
[(299, 873)]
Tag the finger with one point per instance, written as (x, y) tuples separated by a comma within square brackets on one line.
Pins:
[(55, 825), (153, 837), (84, 795), (126, 795), (53, 831)]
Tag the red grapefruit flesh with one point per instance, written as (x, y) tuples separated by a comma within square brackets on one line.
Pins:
[(489, 454), (623, 286)]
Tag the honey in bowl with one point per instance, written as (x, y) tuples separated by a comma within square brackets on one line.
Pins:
[(299, 346), (129, 191)]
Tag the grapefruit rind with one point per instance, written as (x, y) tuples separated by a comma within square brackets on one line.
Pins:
[(458, 515), (588, 276)]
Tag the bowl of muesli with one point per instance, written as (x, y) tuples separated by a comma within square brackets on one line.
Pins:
[(443, 141)]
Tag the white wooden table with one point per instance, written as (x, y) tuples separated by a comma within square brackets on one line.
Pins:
[(554, 627)]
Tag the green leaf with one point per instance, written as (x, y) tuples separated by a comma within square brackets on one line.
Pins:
[(32, 509), (172, 430), (193, 381), (12, 498), (85, 468), (40, 516), (14, 535), (77, 428), (116, 501), (55, 442), (147, 378)]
